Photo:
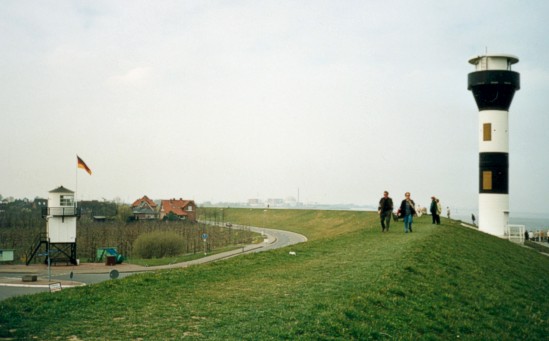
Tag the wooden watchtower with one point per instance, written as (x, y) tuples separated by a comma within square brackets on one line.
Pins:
[(59, 240)]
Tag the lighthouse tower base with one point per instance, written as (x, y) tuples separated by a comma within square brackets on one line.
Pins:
[(493, 213)]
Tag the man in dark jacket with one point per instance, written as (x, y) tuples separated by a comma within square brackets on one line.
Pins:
[(433, 210), (385, 211)]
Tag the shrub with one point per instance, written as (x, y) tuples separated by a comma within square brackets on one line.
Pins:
[(158, 244)]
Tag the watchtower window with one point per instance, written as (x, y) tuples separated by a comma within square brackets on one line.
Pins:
[(67, 200), (487, 132)]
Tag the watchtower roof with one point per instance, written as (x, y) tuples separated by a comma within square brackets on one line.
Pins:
[(61, 189)]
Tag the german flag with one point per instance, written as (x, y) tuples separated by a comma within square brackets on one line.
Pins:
[(83, 165)]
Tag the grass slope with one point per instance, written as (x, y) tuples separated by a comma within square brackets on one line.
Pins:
[(350, 281)]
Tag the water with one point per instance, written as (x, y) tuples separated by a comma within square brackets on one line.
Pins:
[(532, 221)]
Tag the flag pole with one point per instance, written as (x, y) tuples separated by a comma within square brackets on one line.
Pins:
[(76, 186)]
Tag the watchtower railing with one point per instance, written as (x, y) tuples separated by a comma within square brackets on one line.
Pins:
[(62, 211)]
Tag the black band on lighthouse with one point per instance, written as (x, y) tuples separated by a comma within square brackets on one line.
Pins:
[(493, 89), (494, 173)]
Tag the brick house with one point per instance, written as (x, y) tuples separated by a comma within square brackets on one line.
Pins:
[(184, 209)]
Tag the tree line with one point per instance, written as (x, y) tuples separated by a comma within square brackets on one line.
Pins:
[(21, 222)]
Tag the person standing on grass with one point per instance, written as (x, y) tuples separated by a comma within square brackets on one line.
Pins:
[(407, 210), (433, 209), (439, 211), (385, 211)]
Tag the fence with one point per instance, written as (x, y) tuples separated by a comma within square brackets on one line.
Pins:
[(515, 233)]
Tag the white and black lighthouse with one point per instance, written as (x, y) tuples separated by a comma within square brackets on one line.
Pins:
[(493, 85)]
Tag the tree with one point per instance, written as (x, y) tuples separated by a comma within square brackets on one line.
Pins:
[(123, 213)]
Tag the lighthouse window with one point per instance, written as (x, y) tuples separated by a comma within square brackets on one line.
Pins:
[(66, 200), (487, 132), (487, 180)]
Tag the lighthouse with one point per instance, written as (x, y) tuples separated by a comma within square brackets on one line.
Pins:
[(493, 85)]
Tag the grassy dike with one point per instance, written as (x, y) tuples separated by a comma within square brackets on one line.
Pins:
[(349, 281)]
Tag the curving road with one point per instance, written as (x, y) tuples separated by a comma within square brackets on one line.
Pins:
[(282, 238), (11, 283)]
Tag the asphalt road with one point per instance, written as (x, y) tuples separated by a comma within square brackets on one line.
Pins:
[(274, 239), (22, 289)]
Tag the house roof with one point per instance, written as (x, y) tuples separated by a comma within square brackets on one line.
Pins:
[(175, 206), (146, 199)]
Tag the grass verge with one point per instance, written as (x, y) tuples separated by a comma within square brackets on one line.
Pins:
[(350, 282)]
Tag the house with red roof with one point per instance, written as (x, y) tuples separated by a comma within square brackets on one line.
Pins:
[(183, 209), (144, 209)]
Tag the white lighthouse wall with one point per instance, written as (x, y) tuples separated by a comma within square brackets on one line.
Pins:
[(500, 131), (493, 213), (62, 230)]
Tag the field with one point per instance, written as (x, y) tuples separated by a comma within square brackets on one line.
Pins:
[(349, 281)]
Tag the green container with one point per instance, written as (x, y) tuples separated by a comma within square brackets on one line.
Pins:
[(104, 252)]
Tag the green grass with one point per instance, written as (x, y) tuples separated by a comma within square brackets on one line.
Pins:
[(350, 281), (179, 259), (314, 224)]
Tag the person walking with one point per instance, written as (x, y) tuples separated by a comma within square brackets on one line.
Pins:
[(385, 211), (407, 210), (433, 209)]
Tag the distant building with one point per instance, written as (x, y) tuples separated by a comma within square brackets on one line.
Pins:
[(39, 203), (275, 202), (183, 209), (290, 202), (254, 202), (144, 209)]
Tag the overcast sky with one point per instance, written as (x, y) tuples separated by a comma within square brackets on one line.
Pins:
[(232, 100)]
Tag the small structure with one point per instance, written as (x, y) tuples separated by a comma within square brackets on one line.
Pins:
[(111, 255), (40, 203), (55, 287), (515, 233), (29, 278), (6, 255), (183, 209), (59, 240)]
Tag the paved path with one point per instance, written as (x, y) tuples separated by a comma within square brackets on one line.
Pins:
[(11, 282)]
